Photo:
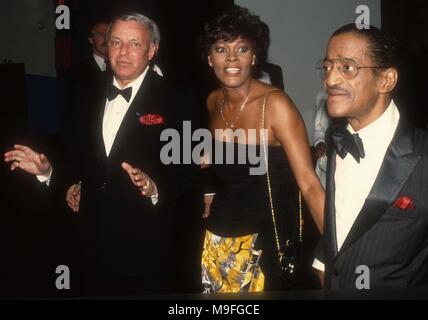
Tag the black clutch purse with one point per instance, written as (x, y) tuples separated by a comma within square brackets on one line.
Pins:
[(289, 265)]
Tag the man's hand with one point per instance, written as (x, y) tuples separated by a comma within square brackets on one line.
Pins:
[(28, 160), (142, 181), (320, 150), (208, 199), (73, 197)]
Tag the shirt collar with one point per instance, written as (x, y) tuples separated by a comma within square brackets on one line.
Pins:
[(136, 84), (383, 127), (101, 62)]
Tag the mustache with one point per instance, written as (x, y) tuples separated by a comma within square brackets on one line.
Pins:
[(336, 90)]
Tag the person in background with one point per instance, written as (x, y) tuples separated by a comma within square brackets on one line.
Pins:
[(269, 73), (93, 70), (322, 122)]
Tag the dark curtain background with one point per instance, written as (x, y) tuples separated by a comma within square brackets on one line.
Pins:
[(407, 21)]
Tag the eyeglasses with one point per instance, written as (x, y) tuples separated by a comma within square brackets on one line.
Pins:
[(348, 68)]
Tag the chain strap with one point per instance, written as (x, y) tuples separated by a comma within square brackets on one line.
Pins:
[(278, 246)]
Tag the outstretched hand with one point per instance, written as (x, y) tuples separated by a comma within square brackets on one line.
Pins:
[(25, 158), (142, 181)]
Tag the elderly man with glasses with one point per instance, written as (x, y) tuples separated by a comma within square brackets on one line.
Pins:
[(376, 214)]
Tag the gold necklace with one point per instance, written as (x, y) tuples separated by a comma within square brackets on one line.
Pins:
[(232, 124)]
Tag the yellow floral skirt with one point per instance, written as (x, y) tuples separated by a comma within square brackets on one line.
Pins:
[(231, 264)]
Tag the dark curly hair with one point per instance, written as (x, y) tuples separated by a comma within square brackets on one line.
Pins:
[(382, 47), (234, 23)]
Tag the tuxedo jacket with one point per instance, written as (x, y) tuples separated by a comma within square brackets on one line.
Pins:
[(389, 236), (122, 232), (86, 73), (85, 78)]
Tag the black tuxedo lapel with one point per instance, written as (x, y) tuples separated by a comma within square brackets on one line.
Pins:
[(94, 67), (100, 150), (398, 164), (330, 212)]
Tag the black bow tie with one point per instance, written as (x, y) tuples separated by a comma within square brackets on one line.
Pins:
[(345, 142), (113, 91)]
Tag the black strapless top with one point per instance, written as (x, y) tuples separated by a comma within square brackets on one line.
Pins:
[(241, 204)]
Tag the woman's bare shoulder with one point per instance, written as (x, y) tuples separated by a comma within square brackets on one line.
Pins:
[(279, 100)]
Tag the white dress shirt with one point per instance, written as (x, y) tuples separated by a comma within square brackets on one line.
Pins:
[(349, 199), (115, 111)]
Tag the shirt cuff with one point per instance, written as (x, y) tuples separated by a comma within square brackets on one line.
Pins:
[(154, 198), (45, 179), (318, 141), (209, 194), (318, 265)]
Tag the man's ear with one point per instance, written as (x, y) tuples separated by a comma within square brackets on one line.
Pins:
[(90, 40), (152, 51), (389, 78), (209, 61)]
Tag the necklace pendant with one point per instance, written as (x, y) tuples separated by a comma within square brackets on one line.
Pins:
[(232, 126)]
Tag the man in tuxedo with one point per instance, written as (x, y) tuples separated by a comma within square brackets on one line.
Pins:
[(376, 215), (123, 193)]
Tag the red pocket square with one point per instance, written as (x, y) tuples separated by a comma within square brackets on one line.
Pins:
[(150, 119), (404, 202)]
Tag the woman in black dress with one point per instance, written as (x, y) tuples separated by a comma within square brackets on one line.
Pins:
[(240, 248)]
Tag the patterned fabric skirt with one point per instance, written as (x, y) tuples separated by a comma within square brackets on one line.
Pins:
[(231, 264)]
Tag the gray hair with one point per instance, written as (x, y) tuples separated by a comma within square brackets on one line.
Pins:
[(157, 34), (151, 26)]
